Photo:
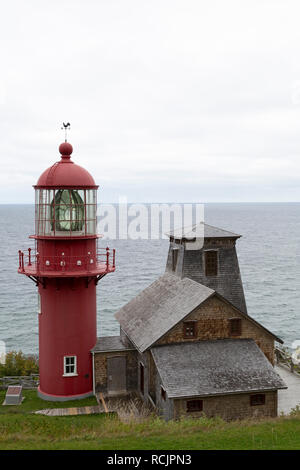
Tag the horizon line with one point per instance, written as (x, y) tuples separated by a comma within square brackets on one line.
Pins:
[(169, 202)]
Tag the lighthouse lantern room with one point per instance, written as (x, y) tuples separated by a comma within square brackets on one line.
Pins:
[(66, 265)]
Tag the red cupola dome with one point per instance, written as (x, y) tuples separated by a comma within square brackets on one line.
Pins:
[(66, 173)]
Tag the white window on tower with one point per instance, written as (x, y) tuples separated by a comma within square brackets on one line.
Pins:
[(70, 366)]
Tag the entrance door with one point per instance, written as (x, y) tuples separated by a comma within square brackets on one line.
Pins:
[(116, 375)]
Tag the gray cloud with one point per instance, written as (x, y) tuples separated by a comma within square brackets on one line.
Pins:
[(168, 100)]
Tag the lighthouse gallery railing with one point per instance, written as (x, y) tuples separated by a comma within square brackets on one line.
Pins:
[(88, 262)]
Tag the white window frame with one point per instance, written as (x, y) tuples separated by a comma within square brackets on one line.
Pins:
[(70, 374)]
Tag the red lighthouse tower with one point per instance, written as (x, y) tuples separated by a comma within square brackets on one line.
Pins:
[(66, 265)]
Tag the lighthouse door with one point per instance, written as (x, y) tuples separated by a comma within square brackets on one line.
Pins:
[(116, 375)]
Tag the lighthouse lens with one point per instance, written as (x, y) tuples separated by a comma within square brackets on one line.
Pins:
[(67, 211), (58, 211)]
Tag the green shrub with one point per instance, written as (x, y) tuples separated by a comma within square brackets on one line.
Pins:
[(16, 363)]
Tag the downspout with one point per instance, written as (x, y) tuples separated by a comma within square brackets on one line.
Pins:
[(94, 391)]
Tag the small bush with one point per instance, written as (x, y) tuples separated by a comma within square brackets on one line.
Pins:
[(295, 411), (16, 363)]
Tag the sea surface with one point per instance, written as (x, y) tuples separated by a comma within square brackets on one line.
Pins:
[(269, 257)]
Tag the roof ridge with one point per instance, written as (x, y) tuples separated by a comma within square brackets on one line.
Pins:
[(193, 342), (191, 232), (160, 306), (220, 367), (221, 229)]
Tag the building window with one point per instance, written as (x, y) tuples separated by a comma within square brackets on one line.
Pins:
[(211, 263), (163, 393), (189, 329), (194, 405), (142, 374), (259, 399), (235, 326), (70, 365), (174, 259)]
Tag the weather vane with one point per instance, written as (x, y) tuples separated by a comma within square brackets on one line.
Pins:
[(66, 127)]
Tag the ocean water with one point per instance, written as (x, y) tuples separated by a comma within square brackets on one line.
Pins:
[(269, 257)]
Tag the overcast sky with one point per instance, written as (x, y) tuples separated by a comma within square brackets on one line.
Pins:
[(169, 100)]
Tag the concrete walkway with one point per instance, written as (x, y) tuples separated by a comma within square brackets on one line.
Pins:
[(289, 398), (127, 407), (82, 410)]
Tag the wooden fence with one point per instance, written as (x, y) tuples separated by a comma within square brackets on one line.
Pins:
[(27, 381)]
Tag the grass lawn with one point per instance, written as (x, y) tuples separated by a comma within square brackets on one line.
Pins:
[(20, 429), (33, 403)]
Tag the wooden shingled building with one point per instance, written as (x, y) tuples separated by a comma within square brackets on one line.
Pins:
[(187, 345)]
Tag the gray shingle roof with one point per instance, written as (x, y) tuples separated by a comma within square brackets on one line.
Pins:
[(207, 368), (159, 307), (163, 304), (109, 343), (200, 230)]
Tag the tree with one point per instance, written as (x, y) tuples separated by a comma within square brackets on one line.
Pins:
[(16, 363)]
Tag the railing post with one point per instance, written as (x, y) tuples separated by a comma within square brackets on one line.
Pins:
[(107, 257), (19, 259), (22, 260), (88, 260), (114, 258), (63, 263), (29, 256), (37, 261)]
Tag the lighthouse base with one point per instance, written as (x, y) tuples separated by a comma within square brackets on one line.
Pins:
[(49, 397)]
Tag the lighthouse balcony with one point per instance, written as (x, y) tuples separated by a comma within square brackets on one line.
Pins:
[(102, 262)]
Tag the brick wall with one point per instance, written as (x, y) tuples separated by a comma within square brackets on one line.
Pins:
[(213, 323), (101, 369), (230, 407)]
